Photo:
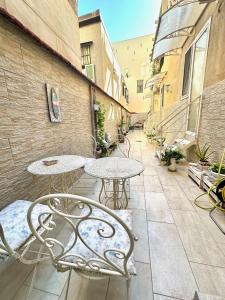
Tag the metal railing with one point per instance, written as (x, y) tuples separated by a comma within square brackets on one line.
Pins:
[(177, 116)]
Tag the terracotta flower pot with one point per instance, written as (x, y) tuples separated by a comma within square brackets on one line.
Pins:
[(203, 165)]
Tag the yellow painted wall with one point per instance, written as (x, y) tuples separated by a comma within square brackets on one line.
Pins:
[(134, 58), (55, 22), (215, 63)]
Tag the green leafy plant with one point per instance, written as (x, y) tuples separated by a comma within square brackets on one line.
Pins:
[(203, 153), (101, 126), (131, 127), (155, 68), (150, 135), (171, 152), (215, 167), (121, 124), (160, 141)]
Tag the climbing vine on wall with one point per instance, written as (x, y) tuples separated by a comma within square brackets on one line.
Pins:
[(101, 124)]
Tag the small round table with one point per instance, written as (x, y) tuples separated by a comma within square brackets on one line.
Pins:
[(65, 164), (116, 170)]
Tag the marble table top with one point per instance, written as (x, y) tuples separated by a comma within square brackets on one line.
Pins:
[(65, 163), (114, 168)]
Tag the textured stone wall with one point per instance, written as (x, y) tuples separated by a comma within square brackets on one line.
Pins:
[(26, 134), (40, 17), (212, 122)]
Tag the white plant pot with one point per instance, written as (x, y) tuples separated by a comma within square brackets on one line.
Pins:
[(173, 166), (215, 176)]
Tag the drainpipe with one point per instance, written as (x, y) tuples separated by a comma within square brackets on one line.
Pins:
[(93, 113)]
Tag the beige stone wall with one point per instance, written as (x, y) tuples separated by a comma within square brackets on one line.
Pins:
[(113, 114), (212, 122), (55, 22), (26, 134)]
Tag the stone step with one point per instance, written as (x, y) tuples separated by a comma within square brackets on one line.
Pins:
[(201, 296)]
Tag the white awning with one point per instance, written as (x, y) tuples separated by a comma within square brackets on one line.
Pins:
[(155, 80), (175, 25)]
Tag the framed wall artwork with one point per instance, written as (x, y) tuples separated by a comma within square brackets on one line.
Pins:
[(53, 104)]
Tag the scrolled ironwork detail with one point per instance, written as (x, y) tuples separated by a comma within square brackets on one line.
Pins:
[(63, 255)]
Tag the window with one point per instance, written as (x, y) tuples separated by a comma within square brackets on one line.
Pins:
[(162, 94), (111, 114), (161, 63), (123, 88), (140, 86), (86, 54), (127, 95), (187, 72)]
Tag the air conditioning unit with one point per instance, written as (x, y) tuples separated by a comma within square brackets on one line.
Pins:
[(90, 72)]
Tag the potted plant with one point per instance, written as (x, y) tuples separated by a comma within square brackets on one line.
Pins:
[(203, 155), (171, 157), (160, 141), (151, 135), (217, 171), (98, 150)]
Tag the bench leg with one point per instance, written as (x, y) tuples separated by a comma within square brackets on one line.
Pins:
[(34, 274), (128, 288), (68, 284)]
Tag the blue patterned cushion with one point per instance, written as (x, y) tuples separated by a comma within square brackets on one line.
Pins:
[(89, 233), (13, 219)]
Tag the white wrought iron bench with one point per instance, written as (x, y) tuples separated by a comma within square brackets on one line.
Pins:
[(100, 241), (15, 235), (124, 145)]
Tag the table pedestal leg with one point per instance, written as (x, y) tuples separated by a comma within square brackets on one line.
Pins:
[(117, 196)]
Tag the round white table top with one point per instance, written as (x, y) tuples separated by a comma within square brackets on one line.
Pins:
[(65, 163), (114, 168)]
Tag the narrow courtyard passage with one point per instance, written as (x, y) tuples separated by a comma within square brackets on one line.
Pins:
[(179, 251)]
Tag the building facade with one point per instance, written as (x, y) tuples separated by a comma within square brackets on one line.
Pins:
[(134, 59), (189, 55), (98, 60), (35, 51)]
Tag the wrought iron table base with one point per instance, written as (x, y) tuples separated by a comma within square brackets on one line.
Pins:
[(118, 195)]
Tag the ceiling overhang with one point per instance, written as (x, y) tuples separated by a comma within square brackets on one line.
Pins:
[(157, 79), (176, 25)]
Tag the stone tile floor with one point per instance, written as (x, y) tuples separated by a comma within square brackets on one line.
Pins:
[(180, 250)]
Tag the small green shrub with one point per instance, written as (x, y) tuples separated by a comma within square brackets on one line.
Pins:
[(171, 152), (203, 153), (215, 167)]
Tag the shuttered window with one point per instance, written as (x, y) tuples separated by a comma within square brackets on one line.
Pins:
[(86, 54), (140, 86)]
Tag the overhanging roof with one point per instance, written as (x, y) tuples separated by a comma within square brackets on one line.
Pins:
[(175, 25), (155, 80)]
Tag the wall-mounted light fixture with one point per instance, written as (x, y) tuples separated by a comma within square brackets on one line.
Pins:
[(168, 88), (96, 107)]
